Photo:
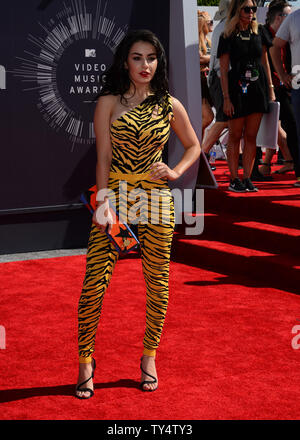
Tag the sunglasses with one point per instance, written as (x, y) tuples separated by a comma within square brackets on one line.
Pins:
[(248, 9)]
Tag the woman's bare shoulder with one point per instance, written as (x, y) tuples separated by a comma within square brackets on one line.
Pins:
[(107, 100), (176, 104), (105, 106)]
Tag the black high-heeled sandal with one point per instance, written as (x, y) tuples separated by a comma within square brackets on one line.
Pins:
[(89, 390), (147, 381)]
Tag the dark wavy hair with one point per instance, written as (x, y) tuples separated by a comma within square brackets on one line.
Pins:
[(116, 80), (274, 8)]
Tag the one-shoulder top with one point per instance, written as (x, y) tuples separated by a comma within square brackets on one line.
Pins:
[(138, 137)]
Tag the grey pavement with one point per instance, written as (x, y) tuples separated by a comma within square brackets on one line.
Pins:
[(42, 254)]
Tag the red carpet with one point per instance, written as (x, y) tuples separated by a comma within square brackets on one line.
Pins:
[(226, 351)]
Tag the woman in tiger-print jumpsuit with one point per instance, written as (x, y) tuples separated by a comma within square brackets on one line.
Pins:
[(132, 124)]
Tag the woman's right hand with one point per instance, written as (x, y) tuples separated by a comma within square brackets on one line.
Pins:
[(103, 217), (228, 108)]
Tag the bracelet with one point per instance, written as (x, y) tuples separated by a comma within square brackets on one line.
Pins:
[(271, 85)]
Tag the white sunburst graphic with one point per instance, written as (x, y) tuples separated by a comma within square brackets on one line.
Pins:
[(66, 63)]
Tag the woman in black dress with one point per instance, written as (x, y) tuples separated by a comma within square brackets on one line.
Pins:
[(246, 84)]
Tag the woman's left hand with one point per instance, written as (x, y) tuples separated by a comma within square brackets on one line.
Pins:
[(160, 170)]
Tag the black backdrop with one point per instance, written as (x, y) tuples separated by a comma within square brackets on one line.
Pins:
[(51, 52)]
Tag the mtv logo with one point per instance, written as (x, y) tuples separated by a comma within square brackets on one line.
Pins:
[(90, 53)]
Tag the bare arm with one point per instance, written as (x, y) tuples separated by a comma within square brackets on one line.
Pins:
[(103, 144), (204, 59), (275, 52), (224, 68), (183, 128), (266, 65), (104, 152)]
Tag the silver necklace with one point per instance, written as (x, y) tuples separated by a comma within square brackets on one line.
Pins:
[(245, 37)]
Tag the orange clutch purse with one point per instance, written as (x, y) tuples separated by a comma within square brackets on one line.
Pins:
[(122, 237)]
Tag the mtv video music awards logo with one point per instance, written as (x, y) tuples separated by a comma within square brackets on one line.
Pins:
[(90, 53), (2, 78), (67, 61)]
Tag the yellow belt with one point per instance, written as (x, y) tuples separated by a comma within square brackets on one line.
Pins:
[(129, 177)]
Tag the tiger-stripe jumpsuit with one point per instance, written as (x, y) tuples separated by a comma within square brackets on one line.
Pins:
[(137, 139)]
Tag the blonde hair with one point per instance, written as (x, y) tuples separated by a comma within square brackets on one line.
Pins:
[(203, 16), (233, 18)]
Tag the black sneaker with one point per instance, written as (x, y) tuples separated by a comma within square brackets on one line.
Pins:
[(237, 186), (249, 185)]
